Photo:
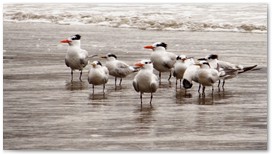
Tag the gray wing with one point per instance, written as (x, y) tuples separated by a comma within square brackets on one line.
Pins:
[(135, 85), (172, 61), (83, 57), (123, 69)]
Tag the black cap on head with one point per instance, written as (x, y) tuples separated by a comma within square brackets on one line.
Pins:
[(99, 63), (213, 56), (162, 44), (178, 58), (201, 59), (76, 37), (112, 55)]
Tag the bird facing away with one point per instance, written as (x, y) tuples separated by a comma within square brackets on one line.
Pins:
[(98, 75), (117, 68), (190, 75), (76, 58), (162, 60), (206, 75), (230, 70), (181, 65), (145, 80)]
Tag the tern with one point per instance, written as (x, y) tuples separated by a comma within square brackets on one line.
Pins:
[(145, 81), (181, 65), (230, 70), (207, 76), (117, 68), (162, 60), (76, 58), (98, 75), (190, 75)]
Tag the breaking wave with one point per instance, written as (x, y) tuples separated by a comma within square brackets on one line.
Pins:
[(156, 20)]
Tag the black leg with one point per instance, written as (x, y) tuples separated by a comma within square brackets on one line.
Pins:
[(170, 75), (223, 83), (141, 97), (203, 90), (160, 77), (80, 75), (103, 89), (180, 83), (120, 81), (212, 89), (93, 89), (199, 87), (151, 97), (71, 75), (115, 82), (218, 83), (176, 83)]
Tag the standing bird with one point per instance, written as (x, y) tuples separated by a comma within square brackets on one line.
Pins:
[(230, 70), (181, 65), (191, 75), (145, 81), (162, 60), (207, 76), (98, 75), (117, 68), (76, 58)]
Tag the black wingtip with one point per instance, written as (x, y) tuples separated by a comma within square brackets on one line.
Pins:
[(248, 68), (187, 84)]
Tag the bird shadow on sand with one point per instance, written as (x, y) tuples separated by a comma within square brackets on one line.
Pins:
[(209, 98), (97, 96), (76, 85)]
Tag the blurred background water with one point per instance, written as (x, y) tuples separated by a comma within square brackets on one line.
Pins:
[(183, 17)]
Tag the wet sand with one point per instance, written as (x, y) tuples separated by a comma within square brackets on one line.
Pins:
[(43, 109)]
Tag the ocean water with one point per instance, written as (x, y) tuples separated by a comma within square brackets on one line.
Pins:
[(180, 17)]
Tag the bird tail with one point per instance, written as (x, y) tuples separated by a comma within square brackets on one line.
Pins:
[(245, 69), (134, 68)]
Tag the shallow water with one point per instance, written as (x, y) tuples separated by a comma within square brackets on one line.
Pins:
[(43, 109)]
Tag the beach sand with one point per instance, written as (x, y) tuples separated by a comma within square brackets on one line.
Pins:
[(43, 109)]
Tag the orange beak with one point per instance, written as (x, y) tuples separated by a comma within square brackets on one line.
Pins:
[(139, 64), (149, 47), (65, 41)]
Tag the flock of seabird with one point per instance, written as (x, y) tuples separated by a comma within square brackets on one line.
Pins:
[(205, 71)]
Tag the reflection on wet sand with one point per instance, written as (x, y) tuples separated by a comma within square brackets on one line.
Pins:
[(76, 85)]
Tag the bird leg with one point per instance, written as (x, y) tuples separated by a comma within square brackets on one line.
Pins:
[(141, 99), (218, 83), (80, 76), (151, 97), (199, 87), (212, 89), (93, 90), (115, 82), (120, 81), (203, 90), (180, 83), (223, 84), (170, 75), (160, 77), (71, 75), (103, 89)]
